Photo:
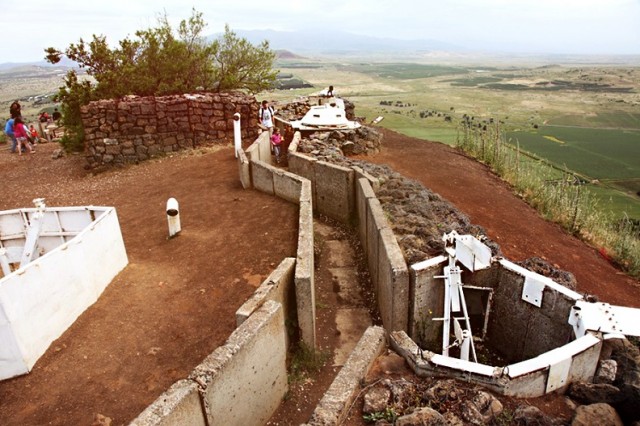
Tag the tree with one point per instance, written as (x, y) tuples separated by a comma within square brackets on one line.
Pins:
[(240, 65), (159, 61)]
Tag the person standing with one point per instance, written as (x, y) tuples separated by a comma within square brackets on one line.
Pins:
[(14, 109), (9, 131), (330, 92), (276, 142), (56, 116), (20, 132), (265, 117)]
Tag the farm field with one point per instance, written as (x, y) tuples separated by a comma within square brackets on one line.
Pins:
[(593, 110)]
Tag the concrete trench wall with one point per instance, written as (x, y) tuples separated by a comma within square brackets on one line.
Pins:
[(347, 194), (241, 382)]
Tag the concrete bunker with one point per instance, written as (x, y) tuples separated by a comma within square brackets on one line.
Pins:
[(55, 263), (498, 324)]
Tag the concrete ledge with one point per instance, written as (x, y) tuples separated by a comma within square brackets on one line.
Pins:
[(393, 283), (293, 146), (243, 381), (426, 296), (302, 165), (305, 192), (253, 152), (179, 405), (244, 169), (287, 185), (333, 407), (304, 277), (376, 221), (334, 191), (262, 177), (361, 174), (277, 287), (363, 193)]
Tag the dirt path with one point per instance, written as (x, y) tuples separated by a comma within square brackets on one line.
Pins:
[(517, 227), (173, 304)]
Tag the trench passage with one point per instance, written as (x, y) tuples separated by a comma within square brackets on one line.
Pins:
[(344, 307)]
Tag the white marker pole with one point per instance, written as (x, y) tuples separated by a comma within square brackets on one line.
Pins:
[(237, 138), (173, 217)]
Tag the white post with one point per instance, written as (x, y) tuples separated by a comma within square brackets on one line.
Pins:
[(173, 217), (237, 137), (33, 232)]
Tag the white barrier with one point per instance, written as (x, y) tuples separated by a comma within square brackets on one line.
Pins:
[(39, 301)]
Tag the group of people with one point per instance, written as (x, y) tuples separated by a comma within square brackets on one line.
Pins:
[(23, 138)]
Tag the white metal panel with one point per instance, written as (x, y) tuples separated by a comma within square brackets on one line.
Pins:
[(533, 290), (552, 357), (429, 263), (606, 318), (12, 226), (75, 221), (472, 253), (467, 366), (558, 374), (548, 282)]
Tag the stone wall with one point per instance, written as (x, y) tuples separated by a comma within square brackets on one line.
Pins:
[(134, 129)]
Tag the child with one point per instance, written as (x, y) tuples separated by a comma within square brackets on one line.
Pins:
[(21, 135), (34, 134), (276, 140)]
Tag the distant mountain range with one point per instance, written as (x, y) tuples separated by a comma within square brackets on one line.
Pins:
[(64, 63), (341, 42)]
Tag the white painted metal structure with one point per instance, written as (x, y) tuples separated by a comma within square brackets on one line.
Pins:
[(330, 115), (592, 322), (77, 252)]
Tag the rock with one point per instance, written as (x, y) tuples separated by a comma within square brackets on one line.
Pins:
[(376, 400), (482, 409), (100, 420), (451, 419), (590, 393), (444, 390), (347, 148), (424, 416), (401, 390), (606, 373), (596, 414), (528, 415), (58, 153)]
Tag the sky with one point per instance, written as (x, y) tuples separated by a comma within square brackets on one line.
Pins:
[(510, 26)]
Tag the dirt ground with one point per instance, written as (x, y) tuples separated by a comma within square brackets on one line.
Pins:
[(176, 301)]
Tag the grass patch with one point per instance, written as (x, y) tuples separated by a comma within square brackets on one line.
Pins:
[(306, 361), (403, 71), (566, 201)]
